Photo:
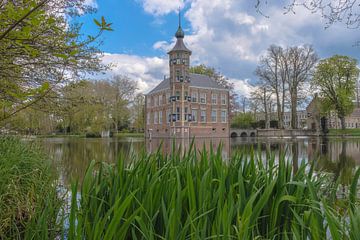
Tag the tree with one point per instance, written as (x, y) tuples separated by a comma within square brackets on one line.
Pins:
[(346, 11), (243, 120), (40, 49), (299, 63), (271, 70), (263, 95), (335, 78), (138, 112)]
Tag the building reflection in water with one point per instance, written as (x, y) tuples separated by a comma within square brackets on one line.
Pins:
[(166, 145), (71, 156)]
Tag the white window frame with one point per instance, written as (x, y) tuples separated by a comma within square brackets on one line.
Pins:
[(202, 97), (223, 118), (201, 116), (194, 96), (155, 117), (212, 120), (194, 113), (214, 97), (223, 99)]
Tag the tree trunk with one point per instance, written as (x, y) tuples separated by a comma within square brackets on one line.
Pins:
[(293, 109), (283, 103), (278, 108), (267, 122), (342, 121)]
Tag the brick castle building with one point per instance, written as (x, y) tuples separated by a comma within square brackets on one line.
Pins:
[(186, 105)]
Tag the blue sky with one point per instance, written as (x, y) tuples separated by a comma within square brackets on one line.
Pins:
[(228, 35)]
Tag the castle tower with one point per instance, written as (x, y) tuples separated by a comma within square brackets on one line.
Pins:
[(179, 62)]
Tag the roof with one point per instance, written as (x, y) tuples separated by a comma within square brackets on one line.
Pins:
[(180, 46), (196, 80)]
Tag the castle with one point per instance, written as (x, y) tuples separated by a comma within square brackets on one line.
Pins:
[(186, 105)]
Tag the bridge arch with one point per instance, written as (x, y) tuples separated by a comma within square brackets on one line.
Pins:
[(252, 134), (243, 134), (234, 135)]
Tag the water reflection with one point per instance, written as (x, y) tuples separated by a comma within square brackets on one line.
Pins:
[(339, 156), (71, 156)]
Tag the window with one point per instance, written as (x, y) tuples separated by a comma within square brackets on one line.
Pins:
[(155, 118), (186, 116), (214, 98), (203, 116), (156, 101), (194, 96), (160, 117), (213, 116), (168, 117), (177, 94), (202, 97), (160, 99), (178, 114), (194, 115), (223, 99), (168, 97), (223, 116)]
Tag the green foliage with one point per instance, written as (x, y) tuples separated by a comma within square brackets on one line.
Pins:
[(243, 120), (83, 107), (29, 204), (198, 195), (39, 49), (335, 78)]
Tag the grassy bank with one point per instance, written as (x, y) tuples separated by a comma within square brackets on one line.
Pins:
[(28, 199), (347, 132), (201, 196)]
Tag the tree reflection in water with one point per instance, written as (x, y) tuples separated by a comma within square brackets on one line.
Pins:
[(334, 155)]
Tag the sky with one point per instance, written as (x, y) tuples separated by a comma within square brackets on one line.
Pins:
[(229, 35)]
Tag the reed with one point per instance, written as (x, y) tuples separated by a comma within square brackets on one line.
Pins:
[(198, 195), (29, 205)]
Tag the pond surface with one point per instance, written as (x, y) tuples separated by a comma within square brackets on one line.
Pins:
[(71, 156)]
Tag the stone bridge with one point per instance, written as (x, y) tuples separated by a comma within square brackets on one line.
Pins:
[(235, 132)]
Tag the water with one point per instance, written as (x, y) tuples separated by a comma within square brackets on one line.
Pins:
[(339, 156)]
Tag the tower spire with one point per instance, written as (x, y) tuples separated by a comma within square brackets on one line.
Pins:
[(179, 33)]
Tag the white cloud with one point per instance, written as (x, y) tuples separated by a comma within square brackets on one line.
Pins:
[(242, 87), (91, 3), (161, 7), (230, 36), (146, 71)]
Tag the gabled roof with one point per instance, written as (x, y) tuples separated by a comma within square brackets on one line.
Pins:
[(196, 80)]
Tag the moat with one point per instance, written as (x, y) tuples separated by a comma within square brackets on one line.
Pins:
[(339, 156)]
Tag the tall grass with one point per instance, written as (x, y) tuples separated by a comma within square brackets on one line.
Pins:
[(198, 195), (29, 204)]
